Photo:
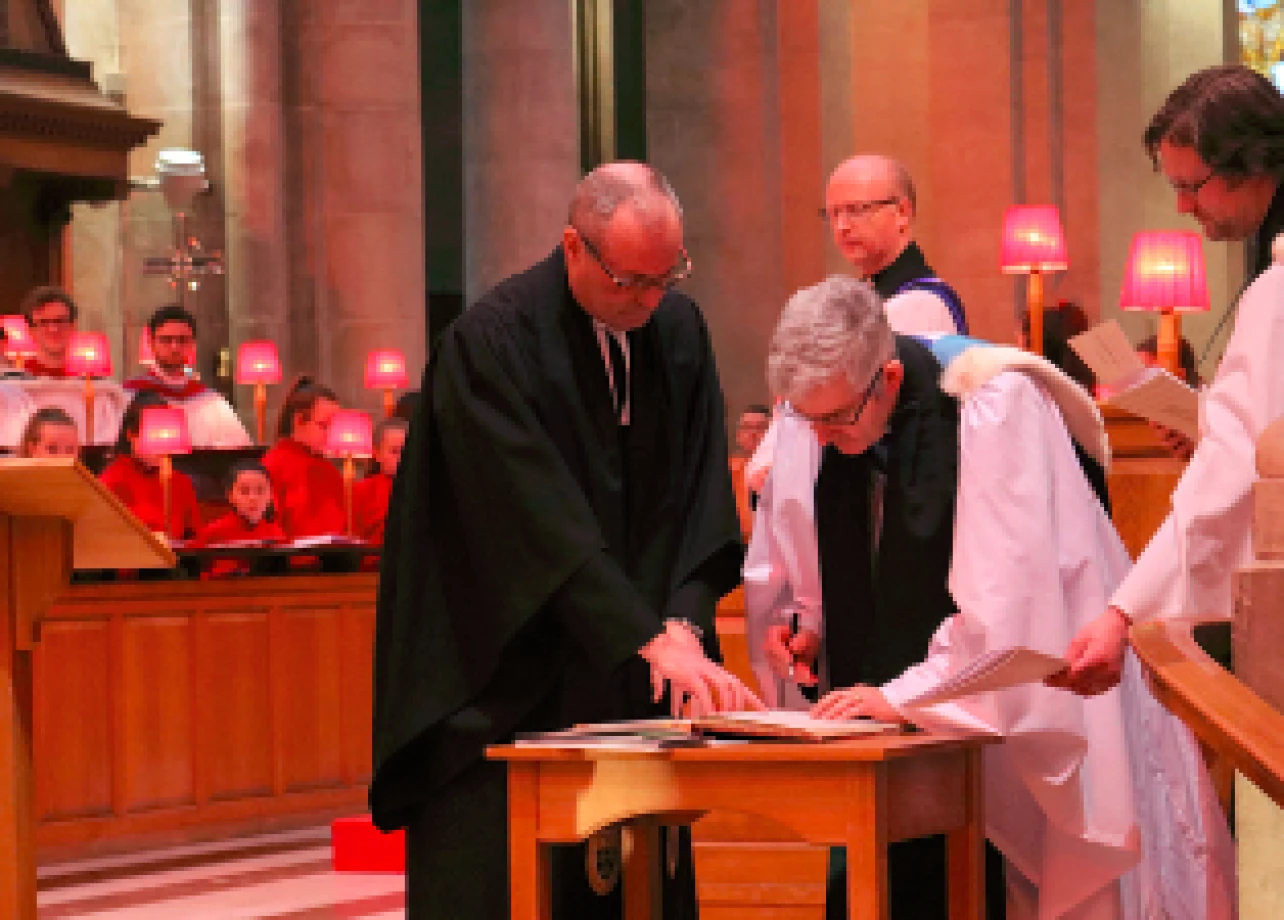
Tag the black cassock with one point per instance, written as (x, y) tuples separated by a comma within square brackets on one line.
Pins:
[(533, 546)]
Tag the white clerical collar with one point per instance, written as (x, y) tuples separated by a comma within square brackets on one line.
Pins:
[(603, 330)]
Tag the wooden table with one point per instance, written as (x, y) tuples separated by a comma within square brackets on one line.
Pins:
[(859, 794)]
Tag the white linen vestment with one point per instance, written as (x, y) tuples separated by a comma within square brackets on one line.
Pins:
[(1187, 567), (211, 420), (1103, 804), (21, 398)]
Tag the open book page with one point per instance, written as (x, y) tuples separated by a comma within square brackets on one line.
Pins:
[(1161, 397), (1108, 353), (788, 724), (328, 539), (996, 670), (1150, 392)]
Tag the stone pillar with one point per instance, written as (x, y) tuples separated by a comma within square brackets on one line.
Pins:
[(521, 130), (254, 183), (353, 160), (733, 119)]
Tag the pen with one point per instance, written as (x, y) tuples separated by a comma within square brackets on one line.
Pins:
[(810, 694)]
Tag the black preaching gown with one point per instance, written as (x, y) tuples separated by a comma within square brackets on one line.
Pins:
[(533, 546)]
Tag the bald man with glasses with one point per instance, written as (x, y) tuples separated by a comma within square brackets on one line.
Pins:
[(560, 530), (870, 206)]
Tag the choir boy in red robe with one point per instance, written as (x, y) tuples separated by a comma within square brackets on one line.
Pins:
[(135, 478), (307, 489), (249, 491), (50, 432), (370, 495)]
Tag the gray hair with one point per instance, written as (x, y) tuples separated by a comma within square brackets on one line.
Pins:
[(831, 328), (612, 185)]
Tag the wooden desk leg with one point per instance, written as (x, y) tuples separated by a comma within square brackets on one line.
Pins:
[(965, 848), (867, 842), (643, 896), (528, 864)]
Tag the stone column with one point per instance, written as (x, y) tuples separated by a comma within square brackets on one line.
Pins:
[(733, 119), (521, 130), (356, 200), (253, 182)]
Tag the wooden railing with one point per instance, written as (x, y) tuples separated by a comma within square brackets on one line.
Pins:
[(1222, 712)]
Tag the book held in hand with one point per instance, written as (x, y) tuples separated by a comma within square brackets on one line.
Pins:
[(1150, 392), (996, 670)]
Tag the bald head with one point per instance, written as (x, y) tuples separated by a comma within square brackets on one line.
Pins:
[(875, 171), (869, 202), (640, 187)]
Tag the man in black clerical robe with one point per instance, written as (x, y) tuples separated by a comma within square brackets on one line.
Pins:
[(563, 506)]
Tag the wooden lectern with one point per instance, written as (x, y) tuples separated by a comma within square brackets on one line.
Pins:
[(54, 516)]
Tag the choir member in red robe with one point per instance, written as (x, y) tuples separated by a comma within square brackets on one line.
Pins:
[(135, 479), (370, 495), (51, 315), (249, 492), (307, 489), (50, 432)]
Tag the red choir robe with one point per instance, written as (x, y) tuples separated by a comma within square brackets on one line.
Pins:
[(231, 528), (140, 489), (307, 490), (36, 369), (370, 507)]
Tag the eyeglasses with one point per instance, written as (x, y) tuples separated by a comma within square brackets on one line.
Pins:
[(52, 322), (853, 211), (844, 418), (1193, 188), (641, 282), (179, 340)]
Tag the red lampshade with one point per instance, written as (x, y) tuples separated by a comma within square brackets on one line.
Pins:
[(1165, 272), (163, 431), (88, 355), (257, 362), (386, 370), (17, 337), (1033, 240), (351, 434)]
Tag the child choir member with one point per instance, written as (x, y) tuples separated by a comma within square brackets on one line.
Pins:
[(249, 491), (135, 478), (50, 432), (307, 489), (370, 495)]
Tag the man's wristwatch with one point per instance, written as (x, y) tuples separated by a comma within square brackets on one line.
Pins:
[(686, 624)]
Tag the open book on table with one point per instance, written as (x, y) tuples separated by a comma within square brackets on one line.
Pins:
[(996, 670), (1151, 392), (778, 724)]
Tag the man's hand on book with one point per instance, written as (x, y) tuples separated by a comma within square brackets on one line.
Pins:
[(855, 703), (697, 686), (1177, 443), (1096, 656)]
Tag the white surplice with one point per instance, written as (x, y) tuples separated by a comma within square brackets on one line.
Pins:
[(1103, 804), (212, 422), (1187, 567)]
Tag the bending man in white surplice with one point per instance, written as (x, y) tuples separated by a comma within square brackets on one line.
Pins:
[(953, 514)]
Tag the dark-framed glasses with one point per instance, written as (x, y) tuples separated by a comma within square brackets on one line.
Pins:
[(52, 322), (679, 272), (852, 211), (1192, 188), (845, 418)]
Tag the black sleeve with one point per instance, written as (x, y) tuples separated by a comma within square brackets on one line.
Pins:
[(603, 613)]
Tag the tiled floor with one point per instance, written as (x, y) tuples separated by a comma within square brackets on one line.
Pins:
[(285, 875)]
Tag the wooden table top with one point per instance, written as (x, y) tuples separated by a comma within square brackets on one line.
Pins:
[(875, 748)]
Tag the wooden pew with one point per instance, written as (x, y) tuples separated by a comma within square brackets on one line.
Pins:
[(183, 710)]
